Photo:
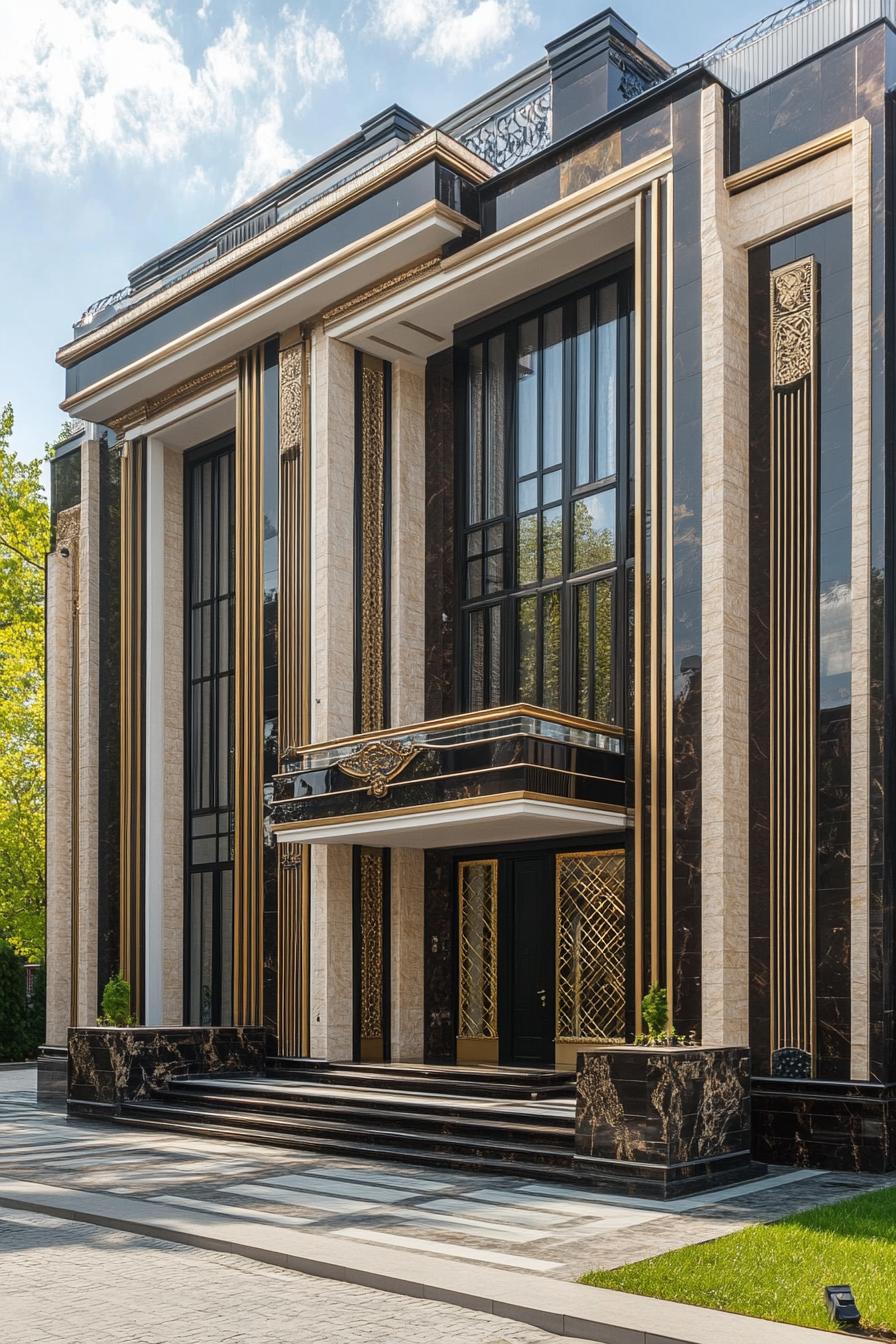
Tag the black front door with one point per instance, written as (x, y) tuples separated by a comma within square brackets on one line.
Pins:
[(526, 965)]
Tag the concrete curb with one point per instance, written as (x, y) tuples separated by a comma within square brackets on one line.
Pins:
[(19, 1064), (567, 1309)]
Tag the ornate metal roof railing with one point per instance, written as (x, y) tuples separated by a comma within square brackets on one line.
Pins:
[(513, 133)]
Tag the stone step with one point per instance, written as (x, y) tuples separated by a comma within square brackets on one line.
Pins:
[(495, 1154), (471, 1081)]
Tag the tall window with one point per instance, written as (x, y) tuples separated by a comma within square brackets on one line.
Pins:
[(546, 438), (209, 734)]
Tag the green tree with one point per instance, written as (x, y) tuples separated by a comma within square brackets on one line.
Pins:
[(24, 538), (14, 1040)]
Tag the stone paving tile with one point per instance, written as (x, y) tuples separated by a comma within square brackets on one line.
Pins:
[(553, 1228), (56, 1280)]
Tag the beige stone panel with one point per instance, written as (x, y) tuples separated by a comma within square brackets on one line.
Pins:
[(332, 702), (408, 546), (333, 519), (406, 946), (88, 733), (725, 602), (173, 890), (59, 793), (331, 951)]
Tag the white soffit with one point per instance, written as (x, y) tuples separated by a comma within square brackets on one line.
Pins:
[(420, 320), (482, 823)]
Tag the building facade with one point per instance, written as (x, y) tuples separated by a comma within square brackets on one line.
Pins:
[(472, 590)]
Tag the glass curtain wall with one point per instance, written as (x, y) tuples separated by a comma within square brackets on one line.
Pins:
[(545, 479), (209, 735)]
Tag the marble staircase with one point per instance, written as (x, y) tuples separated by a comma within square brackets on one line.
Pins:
[(510, 1121)]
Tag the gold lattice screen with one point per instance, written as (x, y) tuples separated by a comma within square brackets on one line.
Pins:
[(478, 919), (591, 946)]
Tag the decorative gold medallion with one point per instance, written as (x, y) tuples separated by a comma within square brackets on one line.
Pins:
[(376, 764), (793, 323)]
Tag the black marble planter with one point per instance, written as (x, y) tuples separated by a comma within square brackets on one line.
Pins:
[(111, 1065), (813, 1122), (665, 1122)]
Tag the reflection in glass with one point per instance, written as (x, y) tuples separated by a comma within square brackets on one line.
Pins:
[(552, 543), (527, 399), (552, 381), (527, 494), (607, 376), (583, 390), (527, 549), (594, 651), (474, 434), (494, 502), (594, 530), (527, 650), (550, 650)]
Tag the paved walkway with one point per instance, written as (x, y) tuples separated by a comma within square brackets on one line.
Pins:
[(504, 1246)]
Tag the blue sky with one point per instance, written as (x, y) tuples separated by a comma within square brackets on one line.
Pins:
[(127, 124)]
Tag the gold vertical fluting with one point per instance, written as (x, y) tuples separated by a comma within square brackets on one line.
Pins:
[(638, 599), (132, 694), (248, 838), (652, 616), (293, 690), (370, 664), (793, 696)]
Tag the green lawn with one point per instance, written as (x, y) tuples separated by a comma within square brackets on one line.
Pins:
[(778, 1270)]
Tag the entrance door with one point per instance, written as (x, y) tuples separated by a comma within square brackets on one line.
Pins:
[(526, 966)]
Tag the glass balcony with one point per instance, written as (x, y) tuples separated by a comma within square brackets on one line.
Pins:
[(504, 774)]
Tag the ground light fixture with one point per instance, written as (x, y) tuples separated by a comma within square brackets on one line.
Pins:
[(841, 1305)]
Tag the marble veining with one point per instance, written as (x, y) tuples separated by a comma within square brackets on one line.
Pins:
[(109, 1065)]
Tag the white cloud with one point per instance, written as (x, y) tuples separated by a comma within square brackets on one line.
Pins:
[(268, 157), (88, 79), (451, 32)]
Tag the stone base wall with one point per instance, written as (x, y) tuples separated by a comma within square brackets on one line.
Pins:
[(111, 1065), (812, 1123)]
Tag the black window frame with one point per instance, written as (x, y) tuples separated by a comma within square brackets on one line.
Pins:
[(506, 323), (220, 448)]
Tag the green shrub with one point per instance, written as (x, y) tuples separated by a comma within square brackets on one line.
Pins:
[(116, 1003), (13, 1024)]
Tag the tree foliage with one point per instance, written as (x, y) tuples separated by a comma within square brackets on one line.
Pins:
[(24, 538)]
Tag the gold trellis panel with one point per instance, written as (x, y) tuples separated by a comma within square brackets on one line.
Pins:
[(590, 947), (477, 890)]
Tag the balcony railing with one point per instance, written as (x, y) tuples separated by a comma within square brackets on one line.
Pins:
[(545, 771)]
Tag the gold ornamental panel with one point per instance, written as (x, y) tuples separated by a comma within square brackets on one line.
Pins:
[(371, 900), (591, 946), (477, 888)]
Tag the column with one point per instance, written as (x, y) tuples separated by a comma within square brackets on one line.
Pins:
[(408, 571), (332, 667), (88, 782)]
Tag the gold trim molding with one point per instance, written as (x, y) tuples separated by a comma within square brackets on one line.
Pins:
[(174, 396), (790, 159), (378, 291), (377, 763)]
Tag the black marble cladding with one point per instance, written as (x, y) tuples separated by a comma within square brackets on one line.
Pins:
[(663, 1122), (439, 958), (518, 761), (111, 1065), (685, 974), (830, 243), (52, 1075), (840, 1126)]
